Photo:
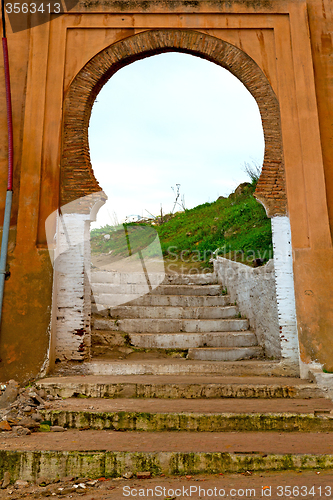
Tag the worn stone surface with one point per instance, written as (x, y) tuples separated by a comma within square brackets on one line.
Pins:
[(226, 353), (21, 416), (19, 484), (6, 480), (143, 475), (180, 366), (254, 290), (4, 426), (10, 394), (184, 386), (190, 340), (316, 405), (192, 453), (171, 325)]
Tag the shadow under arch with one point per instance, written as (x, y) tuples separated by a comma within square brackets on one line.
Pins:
[(77, 177)]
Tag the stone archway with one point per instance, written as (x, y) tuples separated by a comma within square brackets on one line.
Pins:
[(77, 178)]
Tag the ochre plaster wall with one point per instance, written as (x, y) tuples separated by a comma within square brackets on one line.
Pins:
[(289, 41)]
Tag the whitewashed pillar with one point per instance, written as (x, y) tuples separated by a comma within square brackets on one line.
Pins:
[(72, 266), (285, 293)]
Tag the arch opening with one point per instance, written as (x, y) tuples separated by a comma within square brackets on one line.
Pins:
[(167, 119), (77, 178)]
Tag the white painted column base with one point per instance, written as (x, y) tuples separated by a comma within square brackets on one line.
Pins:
[(72, 267), (285, 293)]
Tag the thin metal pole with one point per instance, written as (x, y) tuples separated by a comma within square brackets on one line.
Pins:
[(9, 195), (4, 246)]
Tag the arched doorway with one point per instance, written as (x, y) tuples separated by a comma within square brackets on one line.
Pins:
[(80, 192)]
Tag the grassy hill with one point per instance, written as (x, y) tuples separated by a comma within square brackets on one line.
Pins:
[(235, 227)]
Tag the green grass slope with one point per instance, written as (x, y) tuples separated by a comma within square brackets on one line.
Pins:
[(235, 227)]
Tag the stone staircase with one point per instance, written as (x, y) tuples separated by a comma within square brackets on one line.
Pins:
[(174, 425), (186, 315), (158, 413), (178, 415), (189, 394)]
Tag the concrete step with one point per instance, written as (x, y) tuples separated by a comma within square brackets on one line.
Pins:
[(153, 415), (170, 325), (173, 312), (105, 301), (210, 406), (107, 454), (182, 300), (190, 340), (130, 289), (190, 279), (118, 278), (181, 366), (141, 289), (188, 290), (227, 389), (225, 353), (124, 278)]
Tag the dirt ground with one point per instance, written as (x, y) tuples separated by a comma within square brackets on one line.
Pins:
[(105, 262), (284, 485)]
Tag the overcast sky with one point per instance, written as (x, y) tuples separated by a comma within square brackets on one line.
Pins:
[(166, 120)]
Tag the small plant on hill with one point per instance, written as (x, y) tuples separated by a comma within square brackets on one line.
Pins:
[(253, 171)]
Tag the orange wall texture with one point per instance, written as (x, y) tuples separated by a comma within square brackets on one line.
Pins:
[(291, 41)]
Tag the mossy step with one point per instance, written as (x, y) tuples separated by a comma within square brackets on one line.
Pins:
[(189, 422), (96, 454)]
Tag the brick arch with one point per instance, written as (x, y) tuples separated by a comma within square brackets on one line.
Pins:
[(77, 177)]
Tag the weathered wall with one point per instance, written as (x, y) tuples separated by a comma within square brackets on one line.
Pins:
[(289, 40), (254, 291), (73, 291)]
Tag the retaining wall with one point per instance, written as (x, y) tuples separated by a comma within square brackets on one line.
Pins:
[(254, 291)]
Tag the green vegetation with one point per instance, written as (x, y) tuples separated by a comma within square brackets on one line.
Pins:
[(124, 240), (235, 227)]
